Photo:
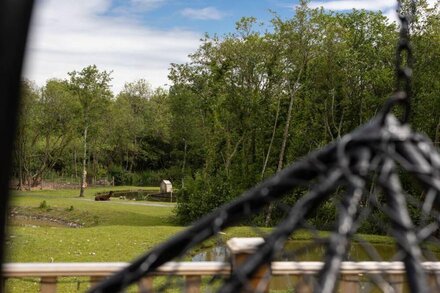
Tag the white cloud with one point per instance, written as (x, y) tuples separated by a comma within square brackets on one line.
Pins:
[(391, 14), (68, 35), (134, 7), (356, 4), (207, 13), (146, 4)]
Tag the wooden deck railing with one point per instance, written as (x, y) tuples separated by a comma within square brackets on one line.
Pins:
[(351, 272), (50, 272)]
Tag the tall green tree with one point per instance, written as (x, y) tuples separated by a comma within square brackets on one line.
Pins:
[(47, 126), (26, 132), (92, 89)]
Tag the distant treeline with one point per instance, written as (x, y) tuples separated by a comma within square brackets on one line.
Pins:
[(247, 104)]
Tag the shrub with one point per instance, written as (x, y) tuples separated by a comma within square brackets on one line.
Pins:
[(69, 209), (122, 177), (201, 195), (44, 206), (153, 177)]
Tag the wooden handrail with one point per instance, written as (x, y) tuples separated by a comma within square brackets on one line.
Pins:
[(348, 267), (240, 248), (49, 272), (106, 269), (193, 271), (202, 268)]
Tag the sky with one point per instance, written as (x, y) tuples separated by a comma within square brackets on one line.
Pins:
[(140, 38)]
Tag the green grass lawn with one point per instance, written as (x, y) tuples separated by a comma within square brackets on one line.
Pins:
[(117, 230), (65, 204), (114, 231)]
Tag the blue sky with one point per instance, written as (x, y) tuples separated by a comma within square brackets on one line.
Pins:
[(212, 16), (140, 38)]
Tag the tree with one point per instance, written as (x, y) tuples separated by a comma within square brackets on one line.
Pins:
[(426, 103), (260, 98), (47, 125), (247, 104), (25, 130), (91, 87)]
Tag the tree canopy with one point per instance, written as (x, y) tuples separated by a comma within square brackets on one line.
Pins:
[(246, 104)]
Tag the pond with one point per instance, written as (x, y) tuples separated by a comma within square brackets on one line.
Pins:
[(305, 251), (308, 251)]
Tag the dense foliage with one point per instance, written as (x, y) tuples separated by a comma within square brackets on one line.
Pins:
[(247, 104)]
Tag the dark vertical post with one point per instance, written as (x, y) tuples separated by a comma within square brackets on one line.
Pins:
[(14, 22)]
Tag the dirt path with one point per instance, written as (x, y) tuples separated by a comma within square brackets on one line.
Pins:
[(131, 203)]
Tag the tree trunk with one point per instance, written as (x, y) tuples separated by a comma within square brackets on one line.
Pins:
[(20, 167), (29, 182), (271, 139), (127, 159), (184, 162), (231, 156), (75, 164), (293, 93), (285, 134), (84, 171), (95, 164), (37, 180), (282, 151)]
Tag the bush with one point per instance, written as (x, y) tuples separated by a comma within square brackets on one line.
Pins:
[(324, 217), (44, 206), (153, 177), (118, 173), (145, 178), (201, 195), (123, 177), (69, 209)]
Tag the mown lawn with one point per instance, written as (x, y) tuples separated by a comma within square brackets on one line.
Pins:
[(118, 230), (115, 231), (65, 204)]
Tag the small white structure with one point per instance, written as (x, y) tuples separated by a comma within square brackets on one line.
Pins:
[(166, 186)]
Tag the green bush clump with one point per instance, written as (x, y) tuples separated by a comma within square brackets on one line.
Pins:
[(145, 178), (201, 195), (120, 175), (70, 209), (44, 206), (153, 177)]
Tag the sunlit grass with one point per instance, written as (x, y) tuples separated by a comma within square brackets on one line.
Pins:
[(95, 244), (85, 211), (114, 231)]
